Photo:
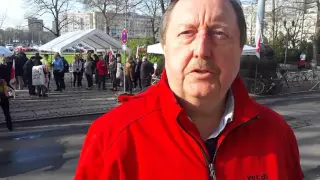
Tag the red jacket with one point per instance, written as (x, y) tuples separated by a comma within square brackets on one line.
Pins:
[(149, 137), (102, 68)]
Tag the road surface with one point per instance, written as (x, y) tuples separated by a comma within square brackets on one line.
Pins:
[(42, 152)]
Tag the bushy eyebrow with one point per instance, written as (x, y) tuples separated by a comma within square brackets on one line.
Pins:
[(216, 25)]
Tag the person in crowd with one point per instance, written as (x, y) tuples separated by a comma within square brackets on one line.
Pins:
[(9, 63), (88, 72), (198, 122), (41, 89), (25, 80), (94, 68), (119, 74), (107, 60), (77, 69), (20, 61), (65, 70), (302, 62), (146, 71), (137, 74), (37, 57), (82, 68), (58, 71), (129, 75), (48, 65), (28, 73), (102, 70), (4, 95), (113, 73), (133, 67)]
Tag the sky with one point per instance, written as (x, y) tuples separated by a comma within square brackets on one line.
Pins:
[(16, 10)]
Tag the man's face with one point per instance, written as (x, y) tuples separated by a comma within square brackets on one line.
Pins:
[(202, 48)]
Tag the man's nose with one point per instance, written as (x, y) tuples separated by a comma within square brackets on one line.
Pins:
[(202, 45)]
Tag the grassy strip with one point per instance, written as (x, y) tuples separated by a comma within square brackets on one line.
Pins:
[(69, 57)]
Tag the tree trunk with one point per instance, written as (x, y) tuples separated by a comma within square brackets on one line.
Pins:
[(316, 45), (57, 28), (153, 33), (107, 28), (273, 22), (163, 10), (316, 37)]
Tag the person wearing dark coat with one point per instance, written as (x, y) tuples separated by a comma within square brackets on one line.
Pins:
[(137, 79), (146, 72), (19, 63), (28, 73), (4, 97)]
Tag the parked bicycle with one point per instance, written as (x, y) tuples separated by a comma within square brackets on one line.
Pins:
[(262, 85), (304, 76)]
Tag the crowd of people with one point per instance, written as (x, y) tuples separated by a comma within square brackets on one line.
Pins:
[(35, 74)]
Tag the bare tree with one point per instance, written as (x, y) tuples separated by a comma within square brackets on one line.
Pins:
[(3, 17), (56, 8), (164, 4), (303, 6), (110, 8), (152, 9), (250, 13)]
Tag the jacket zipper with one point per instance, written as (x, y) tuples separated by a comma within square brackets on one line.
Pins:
[(203, 152), (209, 164)]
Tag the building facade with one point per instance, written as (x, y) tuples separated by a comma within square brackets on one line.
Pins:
[(35, 25), (76, 21), (138, 26)]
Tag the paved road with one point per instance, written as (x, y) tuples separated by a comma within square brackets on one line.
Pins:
[(303, 115), (72, 101), (51, 150), (44, 152)]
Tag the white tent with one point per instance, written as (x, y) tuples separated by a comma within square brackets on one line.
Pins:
[(157, 49), (93, 38), (248, 50)]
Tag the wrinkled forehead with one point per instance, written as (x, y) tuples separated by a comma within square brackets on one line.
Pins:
[(204, 12)]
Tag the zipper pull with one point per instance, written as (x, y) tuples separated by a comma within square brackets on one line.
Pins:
[(212, 176)]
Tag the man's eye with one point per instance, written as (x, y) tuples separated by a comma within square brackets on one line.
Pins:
[(219, 34), (187, 32)]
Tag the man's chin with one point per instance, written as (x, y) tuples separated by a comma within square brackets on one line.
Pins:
[(202, 90)]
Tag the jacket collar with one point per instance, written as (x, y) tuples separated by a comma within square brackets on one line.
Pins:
[(244, 107)]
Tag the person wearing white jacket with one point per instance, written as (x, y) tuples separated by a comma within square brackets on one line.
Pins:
[(119, 73), (76, 69)]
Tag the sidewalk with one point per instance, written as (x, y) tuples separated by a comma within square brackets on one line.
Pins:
[(71, 102)]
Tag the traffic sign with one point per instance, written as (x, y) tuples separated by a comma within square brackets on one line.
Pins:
[(124, 36)]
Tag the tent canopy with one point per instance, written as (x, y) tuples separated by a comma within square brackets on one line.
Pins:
[(157, 49), (93, 38)]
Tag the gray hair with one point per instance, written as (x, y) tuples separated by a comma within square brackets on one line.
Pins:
[(236, 5), (144, 58)]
